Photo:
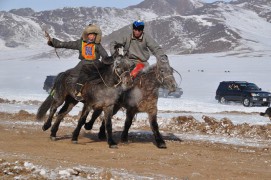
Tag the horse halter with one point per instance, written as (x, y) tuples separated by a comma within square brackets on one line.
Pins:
[(120, 77), (118, 52), (159, 77)]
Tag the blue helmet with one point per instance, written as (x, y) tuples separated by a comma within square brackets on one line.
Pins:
[(139, 25)]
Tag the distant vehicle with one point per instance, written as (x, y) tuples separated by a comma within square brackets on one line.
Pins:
[(48, 83), (165, 93), (247, 93)]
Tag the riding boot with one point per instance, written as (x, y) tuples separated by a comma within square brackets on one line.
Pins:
[(77, 93)]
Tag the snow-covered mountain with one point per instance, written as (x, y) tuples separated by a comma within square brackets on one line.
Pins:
[(180, 26)]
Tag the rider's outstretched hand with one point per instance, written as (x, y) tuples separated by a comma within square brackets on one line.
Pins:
[(164, 58), (49, 42)]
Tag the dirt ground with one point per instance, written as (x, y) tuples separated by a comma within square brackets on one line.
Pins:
[(181, 160)]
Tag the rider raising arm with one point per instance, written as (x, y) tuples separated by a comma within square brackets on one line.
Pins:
[(90, 51)]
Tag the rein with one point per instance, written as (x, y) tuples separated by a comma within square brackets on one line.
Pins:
[(178, 74), (115, 71), (160, 78), (101, 76), (119, 76)]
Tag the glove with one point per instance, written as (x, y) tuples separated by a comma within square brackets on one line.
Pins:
[(164, 58), (49, 42)]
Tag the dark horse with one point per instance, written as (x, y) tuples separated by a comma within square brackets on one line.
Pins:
[(101, 92), (142, 97)]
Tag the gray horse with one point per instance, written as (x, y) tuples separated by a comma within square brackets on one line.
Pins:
[(142, 97)]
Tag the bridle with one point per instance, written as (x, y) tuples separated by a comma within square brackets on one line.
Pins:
[(159, 77), (118, 52), (115, 71), (120, 77)]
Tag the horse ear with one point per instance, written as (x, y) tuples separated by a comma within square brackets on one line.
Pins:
[(118, 45)]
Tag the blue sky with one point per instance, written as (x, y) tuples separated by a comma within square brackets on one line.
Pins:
[(40, 5)]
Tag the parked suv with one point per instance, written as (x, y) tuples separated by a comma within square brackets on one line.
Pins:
[(165, 93), (241, 91)]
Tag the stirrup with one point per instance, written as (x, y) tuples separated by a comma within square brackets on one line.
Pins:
[(78, 97), (79, 94)]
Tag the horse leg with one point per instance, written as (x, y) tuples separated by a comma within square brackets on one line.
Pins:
[(81, 122), (102, 134), (155, 129), (53, 109), (130, 114), (67, 107), (108, 113), (95, 115)]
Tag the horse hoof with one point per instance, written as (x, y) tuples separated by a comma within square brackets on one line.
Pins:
[(44, 127), (162, 146), (87, 127), (53, 138), (102, 137), (114, 146), (75, 142), (124, 141)]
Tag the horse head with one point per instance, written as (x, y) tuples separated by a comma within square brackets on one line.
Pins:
[(121, 67), (165, 74)]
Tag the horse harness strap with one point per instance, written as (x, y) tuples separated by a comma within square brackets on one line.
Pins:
[(101, 76), (161, 79), (119, 76)]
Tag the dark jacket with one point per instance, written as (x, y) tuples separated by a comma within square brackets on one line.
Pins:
[(77, 45)]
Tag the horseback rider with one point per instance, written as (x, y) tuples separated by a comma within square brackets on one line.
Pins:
[(90, 51), (137, 46)]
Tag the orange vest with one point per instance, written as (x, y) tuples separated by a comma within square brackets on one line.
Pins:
[(88, 51)]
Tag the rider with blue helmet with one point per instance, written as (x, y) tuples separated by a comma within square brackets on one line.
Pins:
[(138, 46), (139, 25)]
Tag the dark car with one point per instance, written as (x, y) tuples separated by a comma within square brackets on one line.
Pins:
[(165, 93), (48, 83), (247, 93)]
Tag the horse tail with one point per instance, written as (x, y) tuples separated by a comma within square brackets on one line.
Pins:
[(45, 106)]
